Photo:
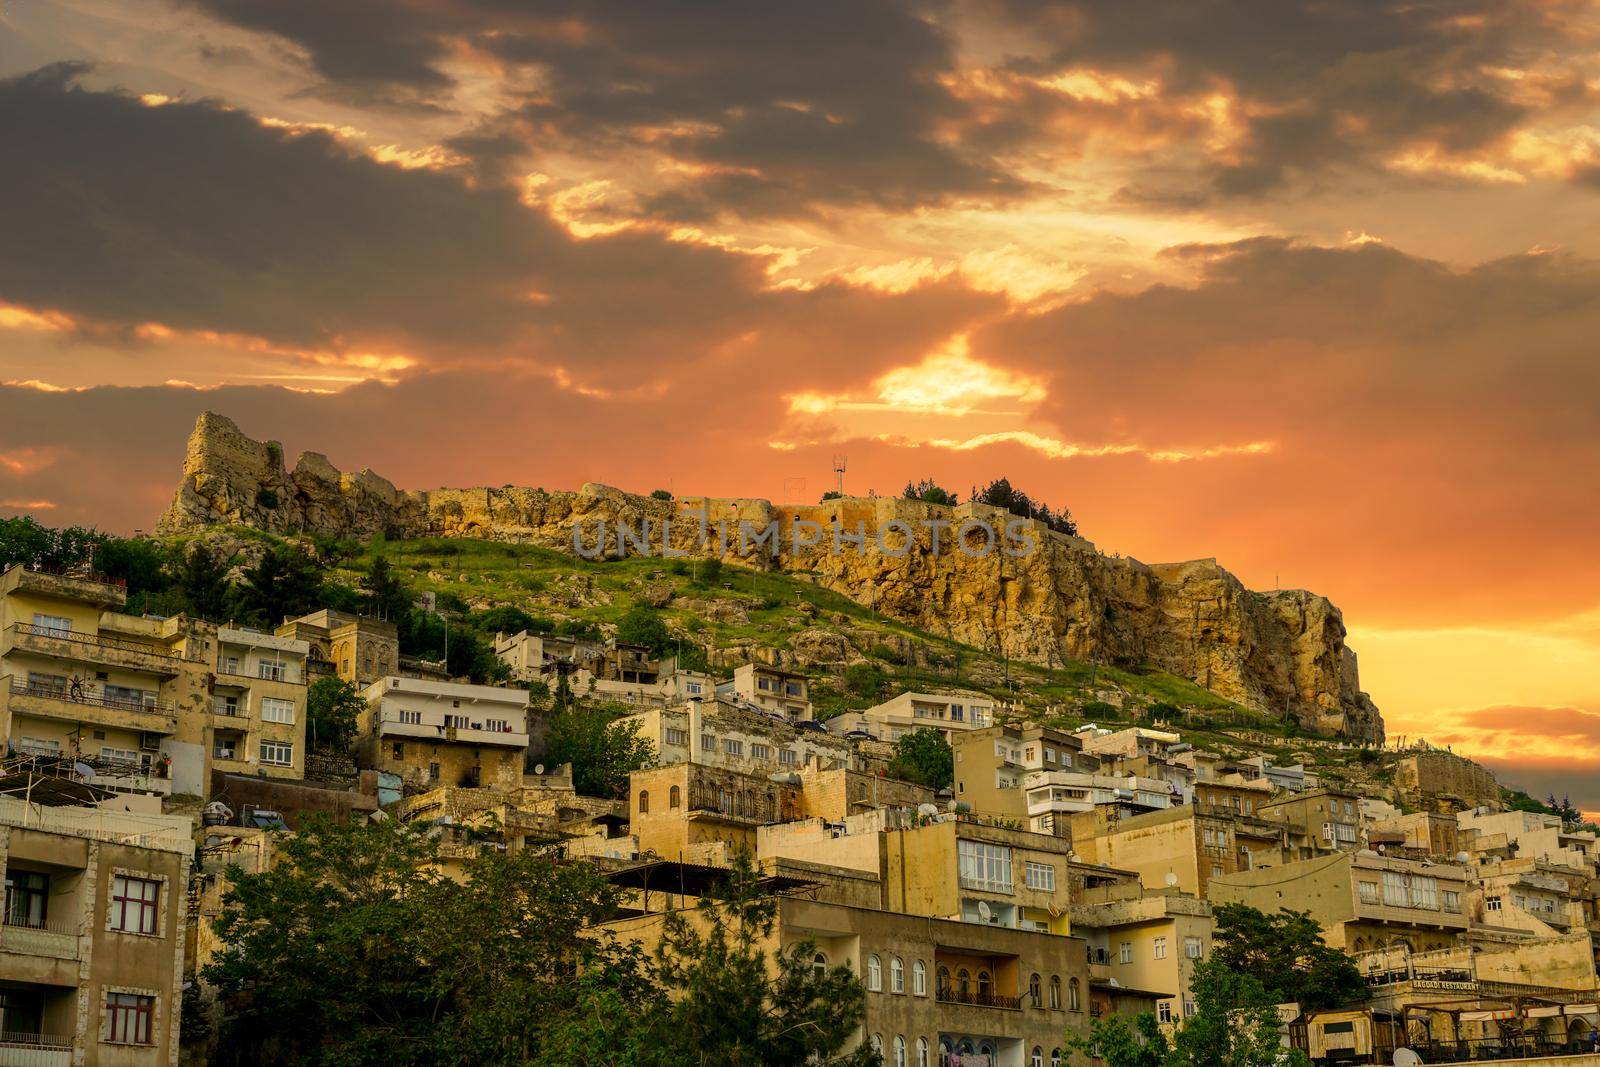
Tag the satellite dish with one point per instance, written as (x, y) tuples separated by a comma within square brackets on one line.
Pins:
[(83, 771), (1172, 879), (538, 769), (985, 912), (927, 810), (1404, 1057)]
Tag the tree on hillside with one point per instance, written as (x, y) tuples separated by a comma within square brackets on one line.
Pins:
[(930, 492), (386, 595), (602, 751), (143, 564), (352, 951), (728, 1005), (284, 583), (201, 581), (1001, 494), (1286, 954), (923, 756), (333, 706), (660, 494), (643, 625)]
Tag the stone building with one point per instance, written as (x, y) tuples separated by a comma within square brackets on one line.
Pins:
[(444, 733), (1180, 848), (694, 813), (769, 688), (92, 943), (1146, 940), (357, 648), (951, 714), (726, 734), (1435, 780)]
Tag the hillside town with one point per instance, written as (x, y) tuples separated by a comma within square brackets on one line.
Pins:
[(1059, 878)]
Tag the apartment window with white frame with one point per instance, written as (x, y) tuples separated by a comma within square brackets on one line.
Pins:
[(984, 866), (732, 747), (277, 753), (760, 751), (411, 718), (1193, 948), (708, 742), (788, 757), (1164, 1011), (1040, 876), (1368, 891), (272, 672), (675, 736), (1159, 948), (276, 709), (1491, 903), (1125, 952), (52, 625)]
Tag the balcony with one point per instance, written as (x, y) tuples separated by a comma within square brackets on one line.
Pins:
[(979, 1000), (35, 1050), (55, 939), (463, 735), (89, 703), (58, 643)]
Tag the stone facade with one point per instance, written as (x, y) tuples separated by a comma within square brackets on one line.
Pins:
[(1444, 781), (1282, 651)]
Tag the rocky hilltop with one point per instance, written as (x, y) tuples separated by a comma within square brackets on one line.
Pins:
[(1035, 595)]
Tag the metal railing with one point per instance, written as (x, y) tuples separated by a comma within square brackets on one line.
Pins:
[(112, 644), (27, 1040), (979, 1000), (90, 696), (47, 926)]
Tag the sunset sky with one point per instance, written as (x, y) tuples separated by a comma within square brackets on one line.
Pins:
[(1310, 286)]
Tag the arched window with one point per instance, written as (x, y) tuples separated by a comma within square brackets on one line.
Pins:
[(1055, 1057), (922, 1052), (897, 975), (874, 973), (1055, 992), (963, 982), (1073, 1000), (943, 978), (983, 983), (899, 1051), (644, 802), (1036, 1057), (877, 1045), (1035, 996), (986, 1049), (674, 797), (819, 962), (919, 979)]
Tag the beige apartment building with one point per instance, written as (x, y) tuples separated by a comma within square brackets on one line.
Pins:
[(785, 693), (435, 733), (992, 762), (724, 733), (1052, 798), (1327, 819), (536, 657), (952, 714), (92, 938), (1146, 940), (1361, 900), (937, 988), (150, 705), (1181, 848)]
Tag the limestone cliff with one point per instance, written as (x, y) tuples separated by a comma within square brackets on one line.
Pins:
[(1036, 595)]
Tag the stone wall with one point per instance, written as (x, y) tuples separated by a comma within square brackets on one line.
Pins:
[(1444, 781), (1283, 652)]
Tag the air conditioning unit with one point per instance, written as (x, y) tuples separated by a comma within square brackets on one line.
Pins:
[(150, 742)]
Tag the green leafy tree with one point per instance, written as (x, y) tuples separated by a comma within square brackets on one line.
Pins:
[(930, 492), (140, 562), (386, 595), (726, 1004), (1000, 493), (660, 494), (923, 756), (865, 680), (201, 582), (602, 750), (333, 706), (644, 626), (284, 583), (353, 951), (1285, 953)]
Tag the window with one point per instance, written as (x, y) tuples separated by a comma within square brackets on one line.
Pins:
[(1394, 889), (226, 704), (1164, 1011), (1125, 952), (1193, 948), (1055, 1057), (963, 981), (1040, 876), (276, 709), (1189, 1010), (1055, 992), (922, 1052), (899, 1051), (1369, 892), (675, 736), (897, 975), (877, 1044), (127, 1018), (708, 742), (788, 757), (1035, 992), (1036, 1057), (819, 962), (411, 718), (732, 747), (919, 979), (874, 973), (272, 672), (1217, 871), (123, 755), (277, 753), (984, 983), (1074, 996), (984, 866), (644, 802), (52, 625), (225, 748), (760, 751), (497, 726), (455, 722), (674, 797), (943, 978), (1491, 903), (27, 897), (135, 904), (1160, 948)]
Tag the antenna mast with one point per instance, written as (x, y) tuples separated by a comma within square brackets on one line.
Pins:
[(838, 471)]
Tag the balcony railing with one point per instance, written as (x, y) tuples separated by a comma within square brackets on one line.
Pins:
[(55, 938), (35, 1050), (90, 696), (110, 643), (979, 1000)]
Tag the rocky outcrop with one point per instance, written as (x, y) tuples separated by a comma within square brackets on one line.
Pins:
[(971, 573)]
